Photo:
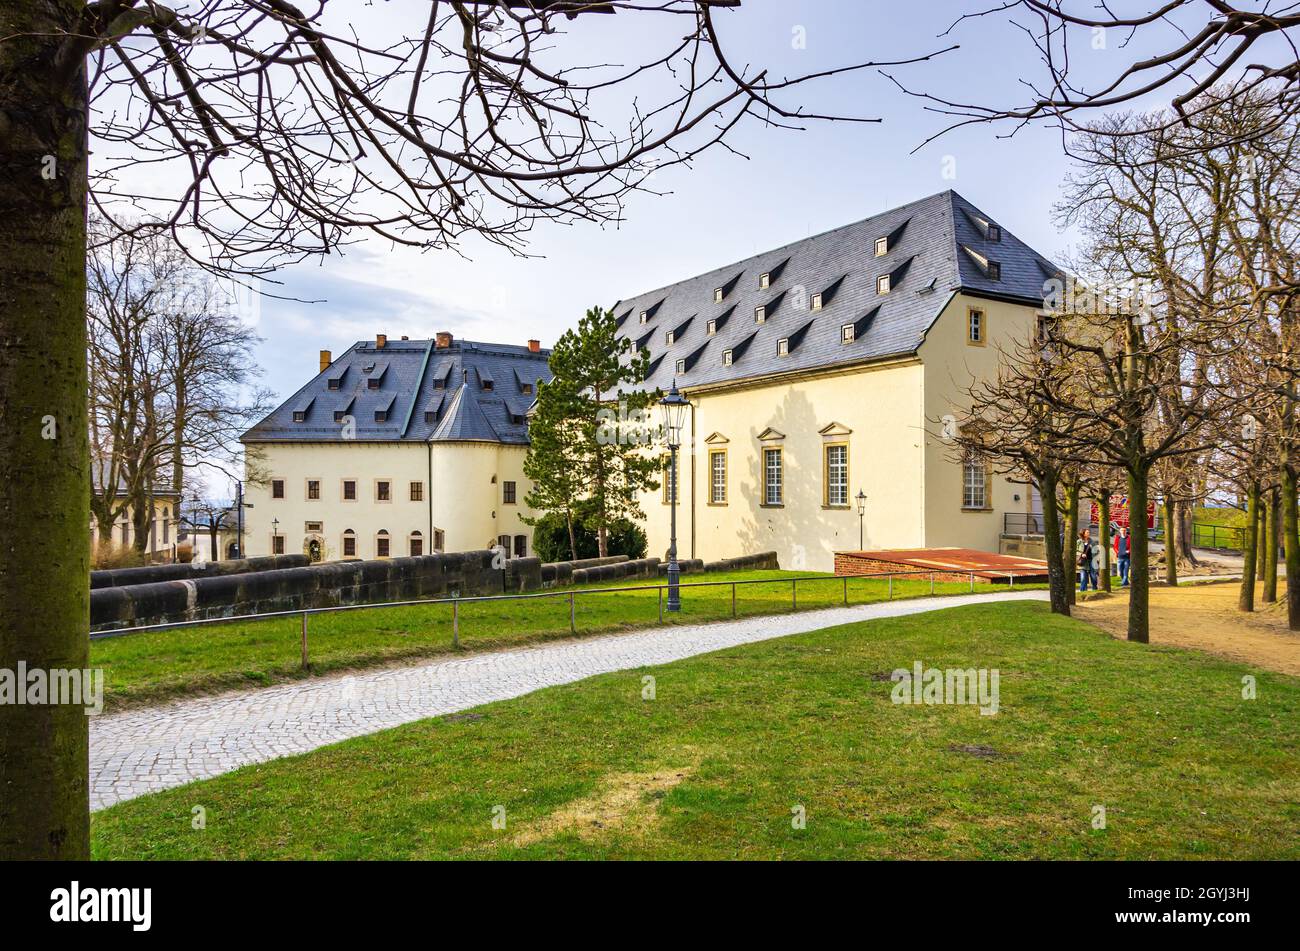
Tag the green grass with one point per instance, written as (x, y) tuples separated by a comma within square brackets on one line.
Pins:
[(1160, 737), (155, 665)]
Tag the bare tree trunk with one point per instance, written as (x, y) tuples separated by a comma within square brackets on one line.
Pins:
[(1261, 536), (1103, 536), (1183, 512), (573, 537), (1069, 559), (1291, 542), (1249, 551), (1058, 579), (1171, 540), (1271, 541), (44, 443), (1139, 621)]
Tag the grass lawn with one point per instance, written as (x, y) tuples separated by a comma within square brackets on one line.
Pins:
[(158, 664), (733, 741)]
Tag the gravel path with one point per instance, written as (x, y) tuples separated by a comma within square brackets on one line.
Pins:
[(143, 751)]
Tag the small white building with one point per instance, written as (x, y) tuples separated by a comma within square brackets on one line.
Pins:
[(398, 447)]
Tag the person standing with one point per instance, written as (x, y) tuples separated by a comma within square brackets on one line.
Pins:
[(1094, 568), (1085, 555), (1122, 548)]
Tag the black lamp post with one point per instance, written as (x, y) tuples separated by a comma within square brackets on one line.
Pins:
[(674, 410), (861, 499), (275, 535)]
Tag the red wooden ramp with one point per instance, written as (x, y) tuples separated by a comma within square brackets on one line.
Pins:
[(948, 564)]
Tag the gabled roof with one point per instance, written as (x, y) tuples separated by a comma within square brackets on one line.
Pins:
[(418, 377), (926, 263)]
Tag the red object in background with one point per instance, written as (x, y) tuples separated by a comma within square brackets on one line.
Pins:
[(1119, 512)]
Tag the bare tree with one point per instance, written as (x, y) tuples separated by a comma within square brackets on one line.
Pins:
[(255, 132)]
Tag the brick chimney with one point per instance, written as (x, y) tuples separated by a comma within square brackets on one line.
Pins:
[(325, 360), (381, 341), (443, 339), (534, 346)]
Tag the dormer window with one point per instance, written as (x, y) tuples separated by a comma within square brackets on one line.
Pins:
[(335, 383), (681, 366), (882, 247), (300, 416), (717, 295), (846, 333), (668, 338), (488, 385), (526, 389), (726, 358), (995, 233), (430, 416), (711, 327), (643, 316), (760, 314), (381, 416), (882, 284), (373, 382), (764, 281), (816, 302), (783, 347), (995, 271)]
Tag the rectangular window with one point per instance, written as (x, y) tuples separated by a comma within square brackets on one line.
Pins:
[(521, 546), (975, 327), (668, 338), (439, 539), (717, 295), (670, 480), (974, 493), (643, 316), (816, 303), (277, 544), (882, 284), (300, 416), (718, 477), (772, 477), (846, 333), (764, 281), (995, 271), (726, 358), (760, 314), (882, 247), (995, 233), (312, 527), (349, 490), (836, 492), (783, 347), (349, 545), (383, 491), (417, 546), (711, 327), (417, 491), (508, 493), (313, 488), (381, 546), (381, 416), (681, 366), (277, 488)]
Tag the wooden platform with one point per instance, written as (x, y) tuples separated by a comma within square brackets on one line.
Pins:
[(947, 564)]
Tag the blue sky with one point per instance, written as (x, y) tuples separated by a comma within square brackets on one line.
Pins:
[(725, 207)]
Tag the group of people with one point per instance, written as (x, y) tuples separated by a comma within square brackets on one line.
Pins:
[(1089, 558)]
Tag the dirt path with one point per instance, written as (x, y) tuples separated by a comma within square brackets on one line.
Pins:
[(1204, 616)]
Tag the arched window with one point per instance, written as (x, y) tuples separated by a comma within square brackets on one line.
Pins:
[(416, 542), (349, 544), (381, 544)]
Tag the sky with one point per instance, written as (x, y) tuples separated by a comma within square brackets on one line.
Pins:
[(786, 186)]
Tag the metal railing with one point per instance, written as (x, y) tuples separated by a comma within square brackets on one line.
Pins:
[(1022, 523), (571, 596)]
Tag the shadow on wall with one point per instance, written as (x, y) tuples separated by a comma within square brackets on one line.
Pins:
[(801, 532)]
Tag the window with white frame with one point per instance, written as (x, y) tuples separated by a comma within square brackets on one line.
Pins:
[(764, 281), (975, 489), (882, 247), (773, 476), (846, 333), (837, 474), (816, 302), (760, 314), (718, 477), (882, 284)]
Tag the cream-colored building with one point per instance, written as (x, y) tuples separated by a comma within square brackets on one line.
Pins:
[(831, 367), (398, 447)]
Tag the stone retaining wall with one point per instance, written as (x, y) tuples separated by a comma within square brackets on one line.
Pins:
[(150, 574), (561, 572), (634, 568)]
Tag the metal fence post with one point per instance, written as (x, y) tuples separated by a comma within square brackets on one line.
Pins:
[(573, 623), (733, 599), (455, 624), (972, 582), (304, 640), (846, 591), (932, 584), (794, 594), (891, 588), (1013, 581), (661, 604)]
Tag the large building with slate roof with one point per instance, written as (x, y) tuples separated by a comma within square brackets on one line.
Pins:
[(397, 447), (825, 368)]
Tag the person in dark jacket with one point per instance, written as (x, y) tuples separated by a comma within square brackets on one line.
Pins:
[(1122, 549), (1086, 555)]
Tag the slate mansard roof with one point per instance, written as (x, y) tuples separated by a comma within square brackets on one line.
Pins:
[(936, 246), (414, 391)]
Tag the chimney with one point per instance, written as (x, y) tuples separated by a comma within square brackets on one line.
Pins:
[(405, 337), (381, 341), (534, 346), (443, 340), (325, 360)]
